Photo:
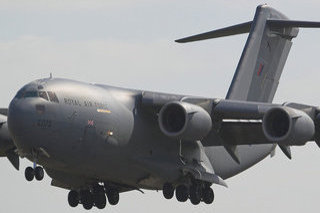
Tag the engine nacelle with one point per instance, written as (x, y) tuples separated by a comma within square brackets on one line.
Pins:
[(6, 142), (184, 121), (287, 126)]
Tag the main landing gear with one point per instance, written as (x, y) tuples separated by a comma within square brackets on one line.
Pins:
[(35, 172), (96, 196), (196, 192)]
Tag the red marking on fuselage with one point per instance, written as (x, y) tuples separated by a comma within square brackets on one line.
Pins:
[(90, 122), (260, 69)]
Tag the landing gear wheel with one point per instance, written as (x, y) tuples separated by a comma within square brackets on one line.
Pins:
[(113, 197), (39, 173), (29, 173), (208, 195), (99, 197), (100, 201), (195, 194), (86, 199), (168, 191), (73, 198), (182, 193)]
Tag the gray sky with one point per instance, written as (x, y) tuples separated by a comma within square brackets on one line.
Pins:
[(130, 43)]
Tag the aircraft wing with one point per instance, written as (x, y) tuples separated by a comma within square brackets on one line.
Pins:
[(4, 111), (246, 123)]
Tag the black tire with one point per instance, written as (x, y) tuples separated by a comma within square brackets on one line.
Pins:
[(29, 173), (113, 197), (168, 191), (195, 195), (39, 173), (208, 195), (99, 199), (86, 199), (182, 193), (73, 198)]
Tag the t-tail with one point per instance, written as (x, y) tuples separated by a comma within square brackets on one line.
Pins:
[(264, 55), (263, 58)]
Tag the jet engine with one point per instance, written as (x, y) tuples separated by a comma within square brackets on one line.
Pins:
[(287, 126), (184, 121), (7, 147), (5, 139)]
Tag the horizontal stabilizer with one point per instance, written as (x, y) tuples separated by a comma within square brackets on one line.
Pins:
[(227, 31), (245, 28), (293, 23)]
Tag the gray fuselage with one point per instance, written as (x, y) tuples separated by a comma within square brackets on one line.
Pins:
[(101, 133)]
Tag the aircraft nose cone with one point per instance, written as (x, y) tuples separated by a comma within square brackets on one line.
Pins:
[(13, 117), (20, 114), (15, 113)]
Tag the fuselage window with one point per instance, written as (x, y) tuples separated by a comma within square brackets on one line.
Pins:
[(43, 94), (53, 97)]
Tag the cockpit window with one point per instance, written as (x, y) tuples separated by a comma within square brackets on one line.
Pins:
[(20, 93), (30, 94), (49, 96), (53, 97), (43, 94)]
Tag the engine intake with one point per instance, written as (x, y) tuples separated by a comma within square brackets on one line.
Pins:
[(287, 126), (184, 121)]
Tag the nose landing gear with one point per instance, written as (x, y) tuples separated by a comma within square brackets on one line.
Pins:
[(29, 173), (36, 172)]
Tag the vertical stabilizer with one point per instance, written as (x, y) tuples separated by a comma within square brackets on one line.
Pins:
[(263, 58), (264, 55)]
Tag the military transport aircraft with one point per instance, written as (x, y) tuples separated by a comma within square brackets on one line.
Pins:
[(98, 141)]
